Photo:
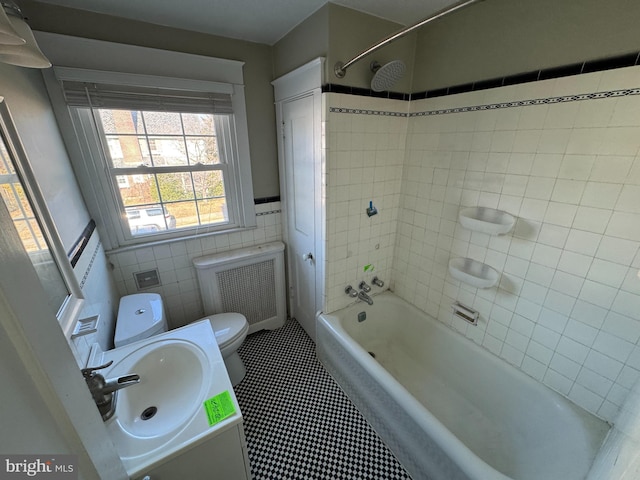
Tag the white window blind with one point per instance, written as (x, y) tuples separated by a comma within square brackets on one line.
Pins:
[(166, 155), (128, 97)]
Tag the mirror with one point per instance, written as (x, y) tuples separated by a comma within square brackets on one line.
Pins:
[(35, 227)]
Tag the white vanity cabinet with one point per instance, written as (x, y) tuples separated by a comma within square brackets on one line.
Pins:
[(221, 456), (193, 428)]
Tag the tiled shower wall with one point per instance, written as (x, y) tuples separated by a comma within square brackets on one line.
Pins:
[(179, 286), (567, 308), (364, 152)]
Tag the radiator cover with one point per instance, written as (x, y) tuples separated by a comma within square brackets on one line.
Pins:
[(249, 281)]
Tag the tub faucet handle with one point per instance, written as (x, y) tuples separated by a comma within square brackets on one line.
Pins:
[(352, 292), (377, 282), (364, 287)]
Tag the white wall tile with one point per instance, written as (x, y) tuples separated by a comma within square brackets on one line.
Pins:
[(583, 242), (588, 313), (540, 188), (580, 332), (603, 365), (576, 167), (622, 327), (592, 219), (567, 283), (552, 320), (585, 398), (612, 346), (598, 293), (570, 174), (617, 250), (568, 191), (539, 352), (559, 302), (575, 263), (612, 274), (557, 381), (601, 195), (612, 169), (560, 214), (533, 368)]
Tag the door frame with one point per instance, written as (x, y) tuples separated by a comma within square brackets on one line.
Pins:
[(304, 81)]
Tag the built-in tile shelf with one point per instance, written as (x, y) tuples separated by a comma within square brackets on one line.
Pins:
[(486, 220), (474, 273)]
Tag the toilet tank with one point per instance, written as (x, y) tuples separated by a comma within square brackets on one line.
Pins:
[(249, 281), (140, 315)]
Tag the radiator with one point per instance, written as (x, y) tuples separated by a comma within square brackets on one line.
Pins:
[(249, 281)]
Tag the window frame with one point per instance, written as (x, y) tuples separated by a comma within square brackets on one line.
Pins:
[(71, 307), (227, 166), (107, 206)]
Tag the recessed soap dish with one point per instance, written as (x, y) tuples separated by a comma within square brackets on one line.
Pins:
[(85, 326), (486, 220), (474, 273)]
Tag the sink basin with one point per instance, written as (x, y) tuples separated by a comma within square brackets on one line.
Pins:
[(164, 413), (170, 389)]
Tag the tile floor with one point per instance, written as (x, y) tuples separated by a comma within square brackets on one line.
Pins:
[(298, 422)]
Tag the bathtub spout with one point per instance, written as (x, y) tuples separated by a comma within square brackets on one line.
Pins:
[(364, 297)]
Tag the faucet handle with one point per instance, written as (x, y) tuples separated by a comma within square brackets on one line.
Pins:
[(376, 281), (88, 372), (349, 290), (364, 287)]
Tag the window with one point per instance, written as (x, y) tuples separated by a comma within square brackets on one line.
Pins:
[(28, 213), (165, 158), (167, 167)]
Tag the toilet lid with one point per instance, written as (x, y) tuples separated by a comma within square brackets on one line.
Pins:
[(139, 316), (228, 326)]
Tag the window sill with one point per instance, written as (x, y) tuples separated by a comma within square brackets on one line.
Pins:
[(165, 241)]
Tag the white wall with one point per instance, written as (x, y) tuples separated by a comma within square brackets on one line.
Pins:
[(567, 309), (364, 155)]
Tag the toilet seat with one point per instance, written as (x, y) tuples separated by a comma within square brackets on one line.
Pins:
[(228, 327)]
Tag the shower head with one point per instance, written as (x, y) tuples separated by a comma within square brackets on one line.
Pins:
[(385, 76)]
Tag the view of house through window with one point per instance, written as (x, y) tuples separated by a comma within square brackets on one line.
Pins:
[(168, 168), (12, 192)]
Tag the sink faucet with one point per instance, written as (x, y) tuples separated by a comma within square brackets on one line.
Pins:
[(364, 297), (104, 391)]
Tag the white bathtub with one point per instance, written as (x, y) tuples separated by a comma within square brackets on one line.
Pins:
[(446, 407)]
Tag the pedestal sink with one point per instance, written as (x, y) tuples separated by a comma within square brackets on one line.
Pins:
[(164, 413)]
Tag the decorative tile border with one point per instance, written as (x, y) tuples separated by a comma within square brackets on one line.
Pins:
[(76, 251), (495, 106), (90, 266), (360, 111), (537, 101), (270, 212)]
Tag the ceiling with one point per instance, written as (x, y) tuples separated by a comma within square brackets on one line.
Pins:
[(262, 21)]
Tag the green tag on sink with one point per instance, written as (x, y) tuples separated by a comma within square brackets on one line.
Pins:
[(219, 407)]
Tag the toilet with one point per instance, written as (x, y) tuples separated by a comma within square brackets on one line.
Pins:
[(141, 315)]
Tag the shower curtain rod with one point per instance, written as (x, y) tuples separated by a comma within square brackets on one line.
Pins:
[(340, 69)]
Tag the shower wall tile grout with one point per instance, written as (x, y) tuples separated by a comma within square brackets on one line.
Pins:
[(567, 309)]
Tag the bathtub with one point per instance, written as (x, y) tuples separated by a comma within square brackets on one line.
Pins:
[(446, 407)]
